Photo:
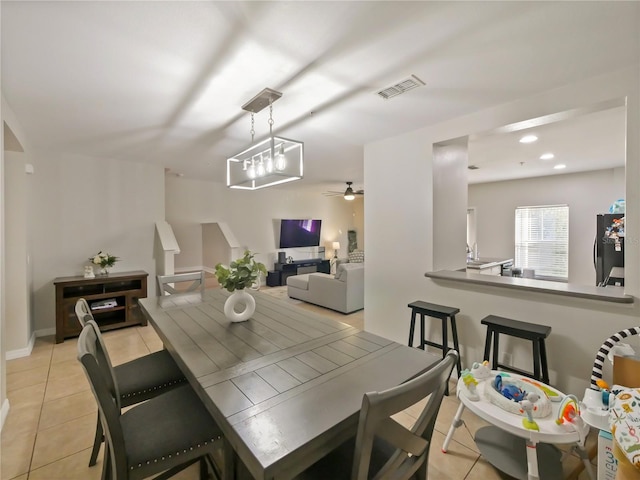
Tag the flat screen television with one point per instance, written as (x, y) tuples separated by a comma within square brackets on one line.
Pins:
[(299, 233)]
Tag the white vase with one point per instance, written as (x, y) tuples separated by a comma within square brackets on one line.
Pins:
[(237, 298)]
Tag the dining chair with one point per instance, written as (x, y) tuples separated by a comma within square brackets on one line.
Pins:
[(383, 448), (164, 435), (189, 282), (137, 380)]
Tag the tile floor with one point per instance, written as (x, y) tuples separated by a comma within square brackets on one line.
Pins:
[(49, 431)]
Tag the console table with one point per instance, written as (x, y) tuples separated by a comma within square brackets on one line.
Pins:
[(113, 300), (278, 276)]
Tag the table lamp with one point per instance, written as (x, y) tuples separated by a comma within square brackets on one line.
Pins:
[(336, 247)]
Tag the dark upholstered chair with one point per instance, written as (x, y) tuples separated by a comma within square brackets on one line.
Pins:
[(384, 449), (189, 282), (137, 380), (164, 434)]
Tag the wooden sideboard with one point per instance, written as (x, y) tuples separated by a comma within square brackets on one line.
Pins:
[(124, 288)]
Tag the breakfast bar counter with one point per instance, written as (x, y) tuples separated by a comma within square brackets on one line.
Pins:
[(605, 294)]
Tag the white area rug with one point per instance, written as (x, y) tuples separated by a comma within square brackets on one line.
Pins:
[(279, 292)]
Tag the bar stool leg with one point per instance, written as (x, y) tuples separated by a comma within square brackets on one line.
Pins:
[(536, 360), (487, 344), (422, 344), (445, 337), (543, 361), (445, 347), (496, 341), (412, 327), (454, 333)]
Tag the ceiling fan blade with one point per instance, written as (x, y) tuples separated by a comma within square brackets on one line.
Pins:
[(332, 193)]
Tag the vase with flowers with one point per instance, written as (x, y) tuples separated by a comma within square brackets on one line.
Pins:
[(240, 275), (104, 260)]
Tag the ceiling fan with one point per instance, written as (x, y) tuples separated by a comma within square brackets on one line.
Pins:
[(348, 194)]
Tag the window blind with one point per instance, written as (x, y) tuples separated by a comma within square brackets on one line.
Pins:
[(542, 240)]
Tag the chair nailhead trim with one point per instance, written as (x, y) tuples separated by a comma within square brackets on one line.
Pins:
[(156, 387), (155, 460)]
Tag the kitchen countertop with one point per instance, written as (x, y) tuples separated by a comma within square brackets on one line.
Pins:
[(487, 262)]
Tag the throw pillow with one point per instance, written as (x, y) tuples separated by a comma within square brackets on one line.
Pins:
[(341, 273), (357, 256)]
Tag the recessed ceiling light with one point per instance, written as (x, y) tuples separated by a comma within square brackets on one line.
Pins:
[(560, 166), (547, 156), (528, 139)]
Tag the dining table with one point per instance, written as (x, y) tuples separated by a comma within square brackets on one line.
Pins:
[(285, 386)]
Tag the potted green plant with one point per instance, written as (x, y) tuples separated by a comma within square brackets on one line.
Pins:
[(241, 274)]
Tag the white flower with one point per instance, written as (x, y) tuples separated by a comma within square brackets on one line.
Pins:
[(104, 259)]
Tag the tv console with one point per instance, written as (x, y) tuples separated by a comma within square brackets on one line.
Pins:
[(281, 271)]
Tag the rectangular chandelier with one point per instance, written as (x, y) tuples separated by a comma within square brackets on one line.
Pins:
[(272, 161)]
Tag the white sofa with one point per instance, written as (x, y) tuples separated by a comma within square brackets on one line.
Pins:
[(343, 293)]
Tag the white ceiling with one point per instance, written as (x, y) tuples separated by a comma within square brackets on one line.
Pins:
[(588, 141), (164, 82)]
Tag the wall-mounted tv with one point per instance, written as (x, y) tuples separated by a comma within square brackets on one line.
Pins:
[(299, 233)]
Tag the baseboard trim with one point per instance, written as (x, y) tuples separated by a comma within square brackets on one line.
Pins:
[(45, 332), (4, 413), (22, 352)]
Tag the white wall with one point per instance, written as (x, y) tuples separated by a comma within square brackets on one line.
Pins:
[(586, 193), (18, 325), (4, 402), (357, 224), (402, 226), (84, 205), (450, 163), (253, 217), (8, 117)]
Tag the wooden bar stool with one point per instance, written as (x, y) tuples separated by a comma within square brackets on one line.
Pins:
[(442, 312), (529, 331)]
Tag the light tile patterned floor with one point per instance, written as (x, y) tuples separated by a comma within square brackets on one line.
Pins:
[(49, 430)]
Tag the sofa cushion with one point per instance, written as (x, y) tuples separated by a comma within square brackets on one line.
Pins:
[(299, 281), (357, 256), (342, 273)]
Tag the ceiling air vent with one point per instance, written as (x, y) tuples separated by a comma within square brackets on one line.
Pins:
[(400, 87), (473, 167)]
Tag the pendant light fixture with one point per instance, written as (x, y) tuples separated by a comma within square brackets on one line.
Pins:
[(269, 162)]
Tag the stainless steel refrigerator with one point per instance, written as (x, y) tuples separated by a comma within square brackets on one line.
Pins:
[(608, 248)]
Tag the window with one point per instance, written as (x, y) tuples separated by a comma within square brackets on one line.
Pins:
[(542, 240)]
